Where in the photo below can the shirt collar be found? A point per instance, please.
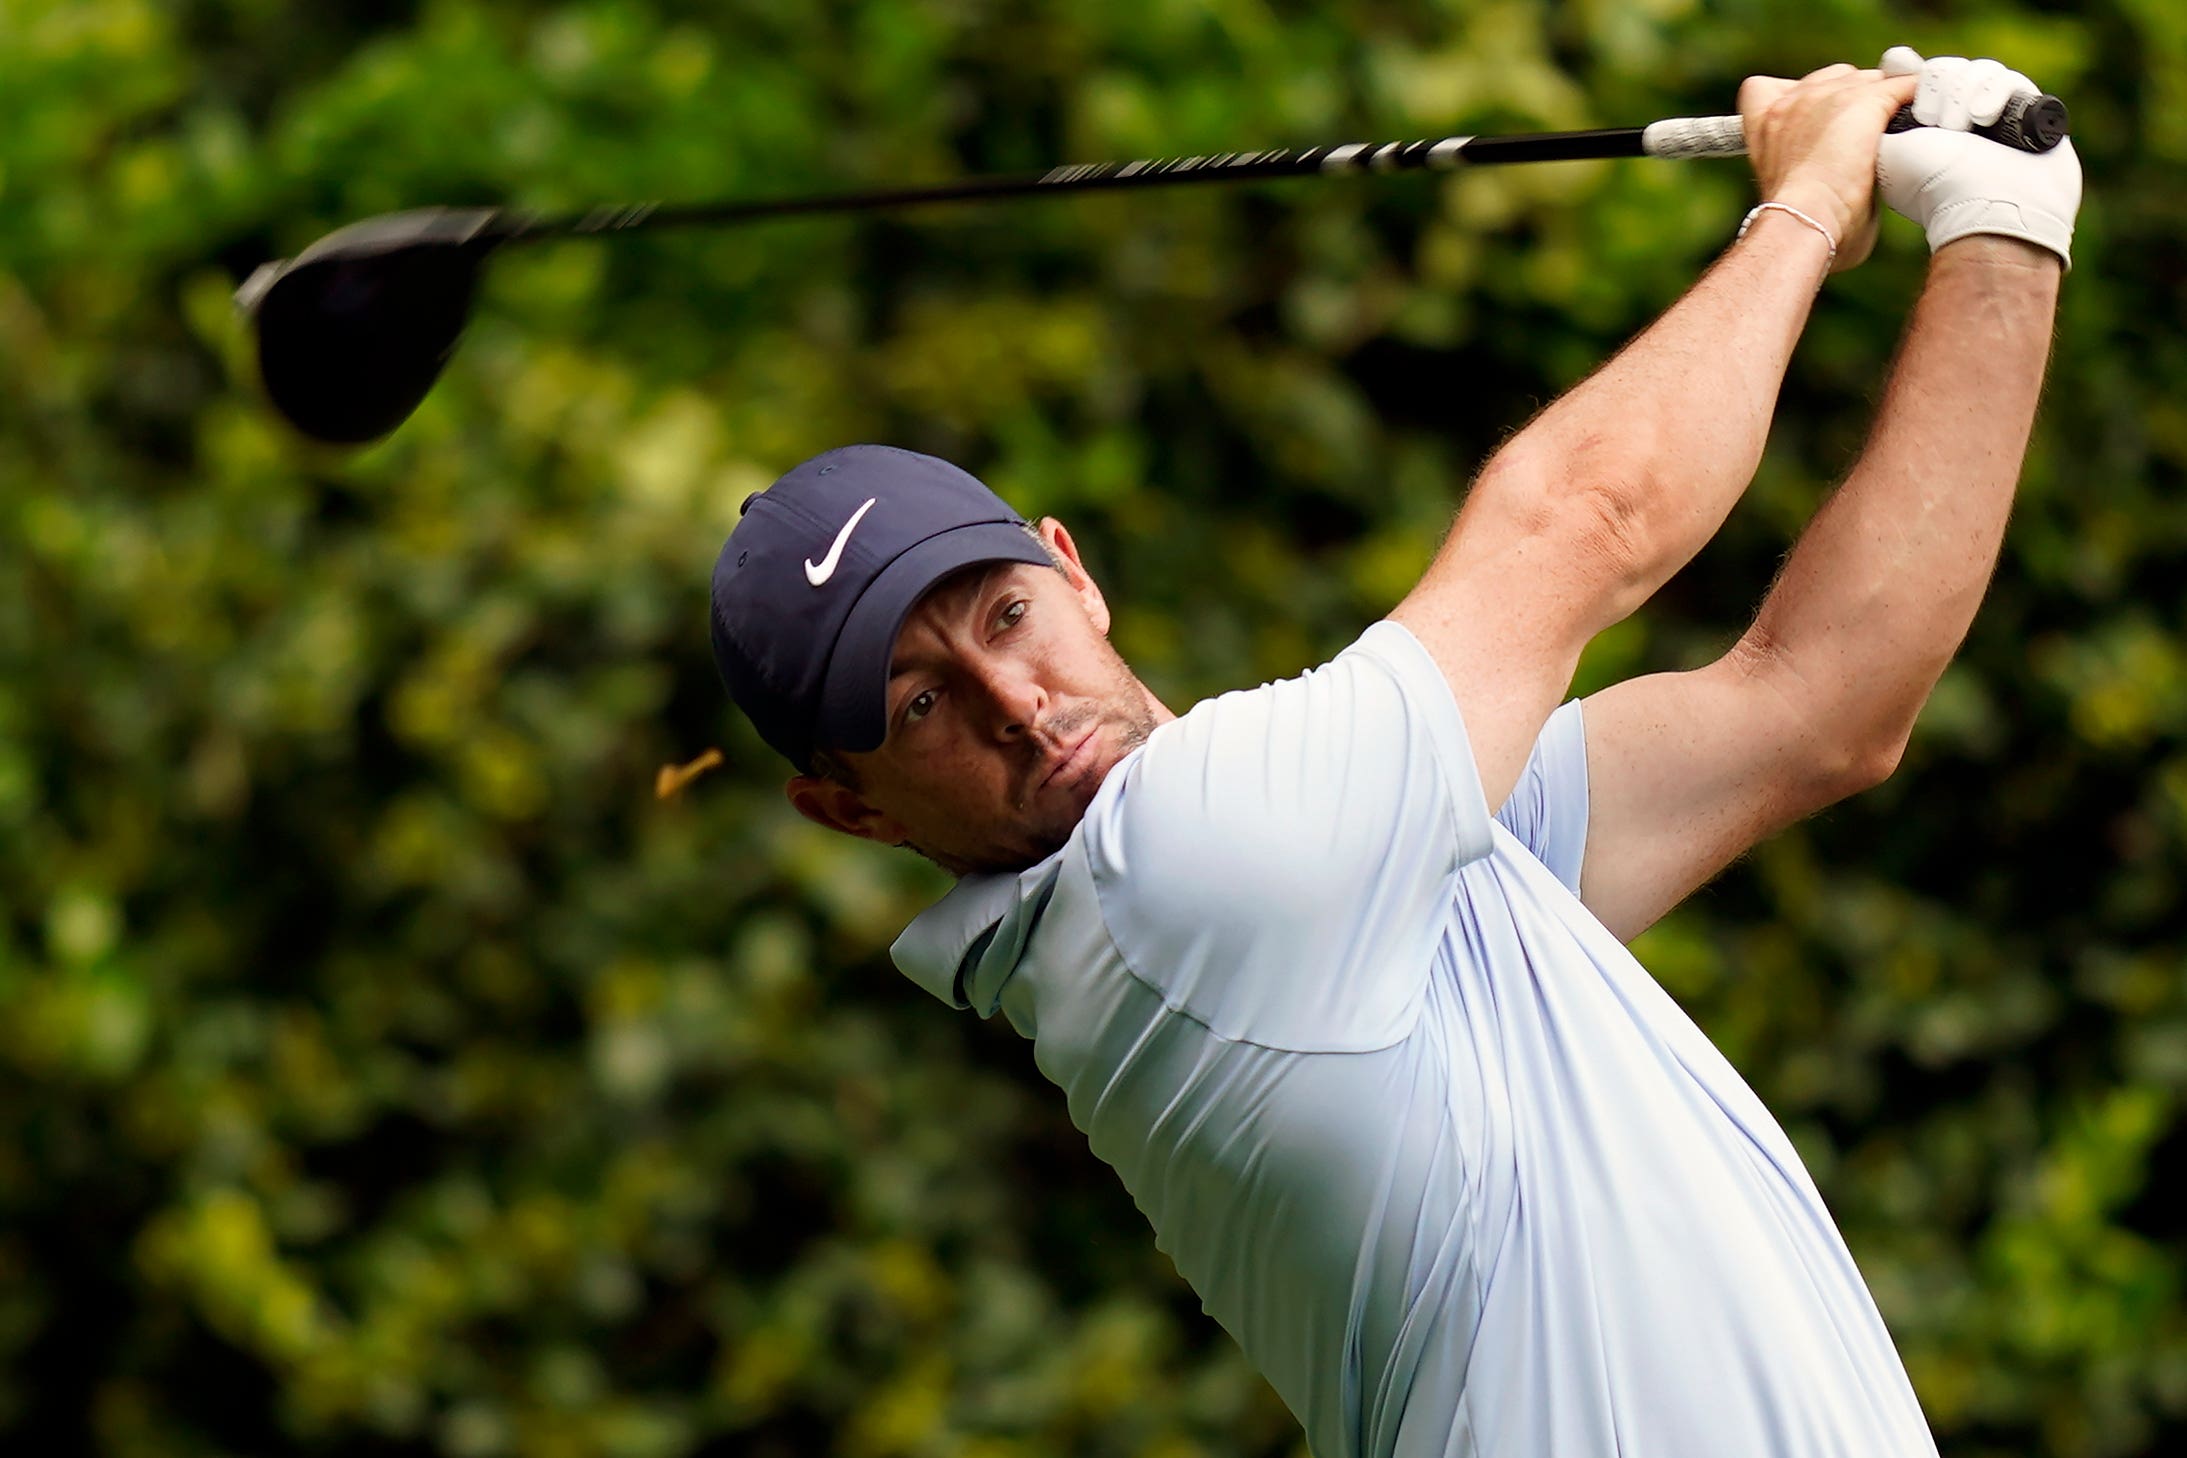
(980, 928)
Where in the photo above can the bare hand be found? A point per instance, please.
(1813, 142)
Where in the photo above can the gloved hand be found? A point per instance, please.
(1956, 184)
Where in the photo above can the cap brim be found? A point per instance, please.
(854, 700)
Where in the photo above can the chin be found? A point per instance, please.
(1056, 810)
(1029, 844)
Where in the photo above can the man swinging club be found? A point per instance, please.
(1374, 1060)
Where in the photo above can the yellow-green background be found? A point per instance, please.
(383, 1071)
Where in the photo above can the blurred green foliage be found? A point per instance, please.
(384, 1071)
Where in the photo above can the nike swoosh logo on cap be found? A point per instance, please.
(818, 573)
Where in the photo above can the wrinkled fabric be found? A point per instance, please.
(1452, 1169)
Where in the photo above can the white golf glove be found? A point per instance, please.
(1956, 184)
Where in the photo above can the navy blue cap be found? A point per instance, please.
(816, 580)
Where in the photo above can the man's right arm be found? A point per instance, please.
(1592, 507)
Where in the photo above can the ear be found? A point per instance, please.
(840, 808)
(1058, 538)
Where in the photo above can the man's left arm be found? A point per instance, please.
(1686, 771)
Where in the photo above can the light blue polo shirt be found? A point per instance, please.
(1454, 1171)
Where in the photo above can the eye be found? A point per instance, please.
(1012, 613)
(919, 705)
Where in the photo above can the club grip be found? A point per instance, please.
(2029, 123)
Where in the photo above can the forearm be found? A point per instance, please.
(1882, 586)
(1665, 437)
(1591, 507)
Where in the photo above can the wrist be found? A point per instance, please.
(1995, 250)
(1819, 202)
(1799, 221)
(2000, 266)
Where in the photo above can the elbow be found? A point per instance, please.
(1876, 718)
(1618, 485)
(1605, 529)
(1842, 736)
(1867, 762)
(1838, 767)
(1593, 524)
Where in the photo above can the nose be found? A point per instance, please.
(1015, 700)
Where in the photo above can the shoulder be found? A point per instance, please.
(1293, 845)
(1275, 788)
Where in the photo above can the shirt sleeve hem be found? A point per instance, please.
(1420, 679)
(1568, 812)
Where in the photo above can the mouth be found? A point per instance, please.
(1071, 763)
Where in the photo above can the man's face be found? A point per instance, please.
(1007, 708)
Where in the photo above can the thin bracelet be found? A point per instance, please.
(1761, 208)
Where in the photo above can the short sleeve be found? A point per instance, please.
(1547, 810)
(1280, 863)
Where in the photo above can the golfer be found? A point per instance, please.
(1332, 972)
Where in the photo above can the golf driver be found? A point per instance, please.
(354, 330)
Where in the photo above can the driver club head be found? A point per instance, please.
(354, 330)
